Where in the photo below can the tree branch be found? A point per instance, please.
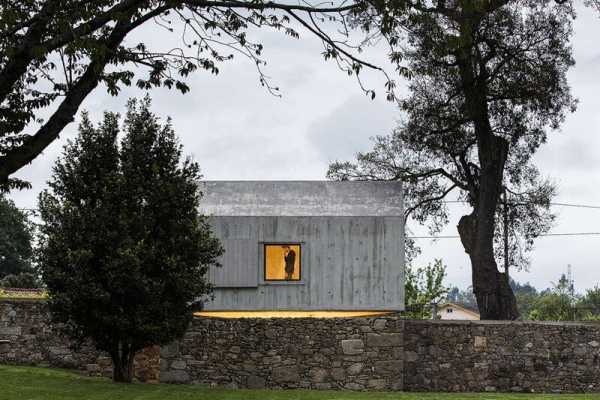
(34, 145)
(427, 201)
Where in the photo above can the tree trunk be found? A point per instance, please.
(494, 295)
(495, 298)
(122, 361)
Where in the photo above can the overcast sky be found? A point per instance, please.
(236, 130)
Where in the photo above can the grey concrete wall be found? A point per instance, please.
(302, 198)
(348, 263)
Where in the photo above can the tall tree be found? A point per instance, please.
(124, 251)
(54, 53)
(15, 240)
(490, 81)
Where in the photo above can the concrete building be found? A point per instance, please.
(307, 245)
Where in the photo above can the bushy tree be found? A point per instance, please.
(489, 83)
(124, 251)
(24, 280)
(553, 307)
(422, 287)
(15, 240)
(558, 303)
(590, 302)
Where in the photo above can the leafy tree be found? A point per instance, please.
(525, 288)
(490, 81)
(559, 303)
(590, 302)
(124, 252)
(553, 307)
(564, 287)
(15, 239)
(526, 296)
(54, 53)
(24, 280)
(423, 286)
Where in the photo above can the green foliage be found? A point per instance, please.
(24, 280)
(15, 240)
(525, 303)
(560, 303)
(553, 307)
(590, 302)
(526, 296)
(423, 286)
(123, 250)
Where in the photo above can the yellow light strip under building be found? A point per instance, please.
(289, 314)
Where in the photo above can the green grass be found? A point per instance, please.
(29, 383)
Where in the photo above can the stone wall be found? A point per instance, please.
(388, 354)
(385, 353)
(27, 337)
(501, 356)
(353, 354)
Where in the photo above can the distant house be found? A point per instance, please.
(306, 245)
(454, 311)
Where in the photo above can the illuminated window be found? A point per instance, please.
(282, 262)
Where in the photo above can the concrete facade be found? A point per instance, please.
(351, 236)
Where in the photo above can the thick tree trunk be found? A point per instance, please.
(122, 361)
(494, 295)
(495, 298)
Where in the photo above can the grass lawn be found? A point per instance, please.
(28, 383)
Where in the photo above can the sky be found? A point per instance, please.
(237, 130)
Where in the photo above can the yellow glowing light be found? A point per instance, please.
(275, 262)
(289, 314)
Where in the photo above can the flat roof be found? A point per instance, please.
(302, 198)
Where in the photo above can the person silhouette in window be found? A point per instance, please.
(290, 260)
